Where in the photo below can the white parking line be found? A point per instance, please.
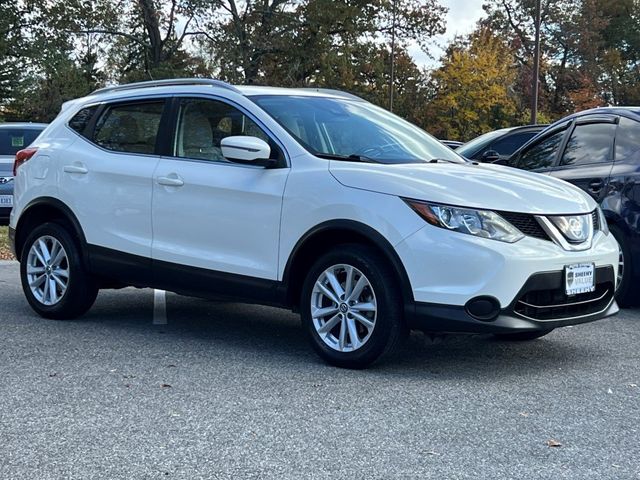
(159, 307)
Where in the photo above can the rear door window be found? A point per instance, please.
(627, 138)
(131, 128)
(542, 155)
(589, 143)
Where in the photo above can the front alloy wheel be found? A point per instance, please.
(351, 306)
(343, 308)
(625, 292)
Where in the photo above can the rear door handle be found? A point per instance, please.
(171, 180)
(75, 169)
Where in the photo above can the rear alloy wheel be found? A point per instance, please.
(351, 307)
(47, 270)
(53, 276)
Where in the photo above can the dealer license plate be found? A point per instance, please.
(6, 200)
(579, 278)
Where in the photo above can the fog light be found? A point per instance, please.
(485, 309)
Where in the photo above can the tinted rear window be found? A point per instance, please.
(627, 138)
(130, 128)
(81, 120)
(14, 139)
(589, 143)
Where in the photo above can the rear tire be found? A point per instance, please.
(523, 336)
(54, 278)
(351, 307)
(624, 290)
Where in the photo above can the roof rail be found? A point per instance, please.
(337, 93)
(166, 83)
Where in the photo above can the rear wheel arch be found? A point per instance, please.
(329, 235)
(48, 209)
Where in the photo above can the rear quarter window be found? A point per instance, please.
(80, 121)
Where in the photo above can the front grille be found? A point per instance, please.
(530, 227)
(543, 297)
(526, 223)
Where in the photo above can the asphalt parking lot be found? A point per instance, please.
(233, 391)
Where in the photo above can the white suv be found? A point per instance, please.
(313, 200)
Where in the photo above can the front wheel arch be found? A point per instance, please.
(328, 235)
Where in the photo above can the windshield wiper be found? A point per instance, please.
(346, 158)
(446, 160)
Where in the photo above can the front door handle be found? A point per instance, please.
(75, 169)
(171, 180)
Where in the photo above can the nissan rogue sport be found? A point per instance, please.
(308, 199)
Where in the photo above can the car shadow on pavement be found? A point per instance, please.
(259, 335)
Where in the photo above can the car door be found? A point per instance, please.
(541, 154)
(212, 214)
(587, 155)
(106, 177)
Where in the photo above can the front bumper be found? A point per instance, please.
(540, 304)
(451, 268)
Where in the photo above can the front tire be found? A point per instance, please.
(54, 278)
(624, 290)
(351, 307)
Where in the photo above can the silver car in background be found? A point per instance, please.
(13, 137)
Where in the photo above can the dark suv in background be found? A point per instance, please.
(599, 151)
(499, 144)
(13, 137)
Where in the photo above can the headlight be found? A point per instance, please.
(480, 223)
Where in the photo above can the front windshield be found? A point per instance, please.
(351, 128)
(472, 147)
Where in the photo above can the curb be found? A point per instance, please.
(8, 262)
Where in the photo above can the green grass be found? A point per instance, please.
(5, 249)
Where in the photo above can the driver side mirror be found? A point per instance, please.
(490, 156)
(240, 148)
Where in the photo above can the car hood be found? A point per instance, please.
(483, 186)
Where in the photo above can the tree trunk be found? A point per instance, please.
(151, 19)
